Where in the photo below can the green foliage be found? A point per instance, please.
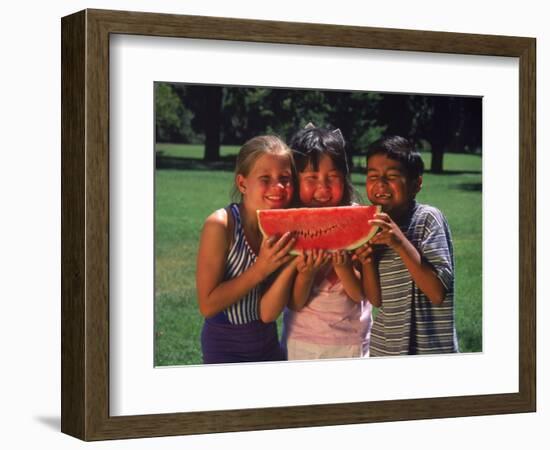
(172, 119)
(442, 124)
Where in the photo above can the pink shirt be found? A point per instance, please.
(330, 317)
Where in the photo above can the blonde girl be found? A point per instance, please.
(243, 281)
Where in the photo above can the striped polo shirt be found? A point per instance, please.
(240, 258)
(407, 322)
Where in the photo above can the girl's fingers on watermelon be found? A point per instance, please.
(269, 241)
(320, 258)
(286, 259)
(308, 265)
(287, 247)
(340, 258)
(346, 257)
(359, 252)
(315, 259)
(364, 253)
(301, 263)
(283, 245)
(284, 239)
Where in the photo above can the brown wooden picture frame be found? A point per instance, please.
(85, 224)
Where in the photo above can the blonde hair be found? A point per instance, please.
(252, 150)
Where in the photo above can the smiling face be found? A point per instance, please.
(389, 186)
(322, 187)
(269, 183)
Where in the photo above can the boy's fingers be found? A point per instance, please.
(382, 239)
(383, 216)
(378, 238)
(380, 223)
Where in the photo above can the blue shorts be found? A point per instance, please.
(228, 343)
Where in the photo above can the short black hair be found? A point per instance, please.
(399, 149)
(311, 143)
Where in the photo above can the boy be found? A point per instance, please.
(412, 255)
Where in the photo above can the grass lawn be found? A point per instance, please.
(184, 198)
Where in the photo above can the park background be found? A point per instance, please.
(31, 231)
(199, 130)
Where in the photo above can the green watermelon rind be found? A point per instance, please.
(350, 247)
(369, 236)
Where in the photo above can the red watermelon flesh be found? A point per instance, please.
(337, 228)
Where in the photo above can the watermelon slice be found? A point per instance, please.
(332, 229)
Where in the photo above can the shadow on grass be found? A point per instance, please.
(457, 172)
(225, 163)
(472, 187)
(362, 170)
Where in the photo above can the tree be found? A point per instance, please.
(218, 115)
(172, 119)
(454, 124)
(446, 123)
(212, 113)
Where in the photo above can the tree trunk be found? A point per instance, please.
(441, 135)
(212, 128)
(394, 111)
(437, 158)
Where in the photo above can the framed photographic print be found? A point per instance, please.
(186, 165)
(140, 173)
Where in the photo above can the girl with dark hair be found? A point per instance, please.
(327, 316)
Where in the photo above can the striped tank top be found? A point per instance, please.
(240, 258)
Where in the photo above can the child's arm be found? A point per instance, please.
(421, 271)
(214, 294)
(277, 295)
(370, 276)
(307, 265)
(344, 269)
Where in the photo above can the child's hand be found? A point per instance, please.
(340, 259)
(274, 253)
(309, 262)
(390, 233)
(364, 254)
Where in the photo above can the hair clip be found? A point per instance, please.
(338, 133)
